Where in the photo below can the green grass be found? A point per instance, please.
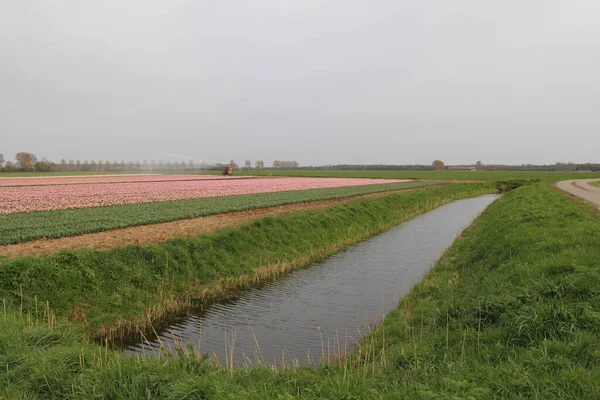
(595, 183)
(437, 175)
(21, 227)
(430, 175)
(509, 312)
(122, 284)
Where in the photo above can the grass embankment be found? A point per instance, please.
(438, 175)
(21, 227)
(510, 311)
(595, 183)
(123, 290)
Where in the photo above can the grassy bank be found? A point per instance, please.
(595, 183)
(21, 227)
(123, 290)
(510, 311)
(436, 175)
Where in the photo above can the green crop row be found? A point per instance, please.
(21, 227)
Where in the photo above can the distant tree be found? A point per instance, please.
(43, 166)
(71, 165)
(438, 165)
(479, 165)
(285, 164)
(248, 164)
(10, 167)
(107, 165)
(77, 165)
(93, 166)
(153, 164)
(562, 166)
(259, 164)
(1, 160)
(233, 164)
(25, 161)
(191, 165)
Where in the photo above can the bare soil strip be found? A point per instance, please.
(581, 188)
(157, 233)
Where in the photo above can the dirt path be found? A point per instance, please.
(156, 233)
(582, 188)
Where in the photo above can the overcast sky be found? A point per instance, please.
(398, 82)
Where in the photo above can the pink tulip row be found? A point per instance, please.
(72, 180)
(59, 197)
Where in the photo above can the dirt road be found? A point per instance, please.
(582, 188)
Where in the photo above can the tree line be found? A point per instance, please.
(28, 162)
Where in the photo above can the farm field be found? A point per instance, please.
(20, 227)
(431, 175)
(550, 176)
(84, 195)
(508, 312)
(183, 267)
(95, 179)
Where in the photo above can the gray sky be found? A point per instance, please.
(399, 82)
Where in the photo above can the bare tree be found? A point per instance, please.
(438, 165)
(25, 160)
(1, 160)
(479, 166)
(248, 164)
(259, 164)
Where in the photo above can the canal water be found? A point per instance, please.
(322, 310)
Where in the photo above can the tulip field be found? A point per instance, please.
(92, 179)
(54, 210)
(54, 196)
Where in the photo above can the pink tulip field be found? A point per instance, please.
(68, 193)
(74, 180)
